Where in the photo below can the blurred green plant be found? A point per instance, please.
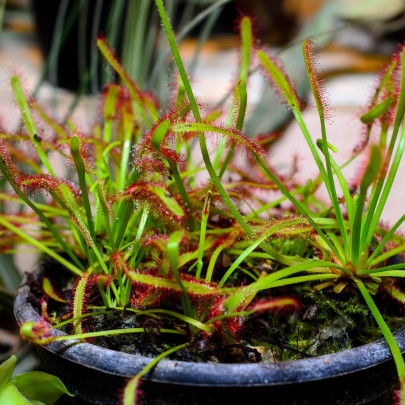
(31, 388)
(132, 28)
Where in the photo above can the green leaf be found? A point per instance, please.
(373, 167)
(372, 170)
(29, 121)
(81, 173)
(192, 287)
(159, 134)
(320, 143)
(396, 353)
(232, 134)
(246, 48)
(6, 371)
(134, 90)
(173, 253)
(39, 386)
(280, 80)
(11, 396)
(297, 226)
(168, 200)
(377, 111)
(49, 291)
(132, 386)
(109, 110)
(78, 302)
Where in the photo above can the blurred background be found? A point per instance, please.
(51, 45)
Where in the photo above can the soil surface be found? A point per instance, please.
(325, 322)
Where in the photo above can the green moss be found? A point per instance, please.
(326, 323)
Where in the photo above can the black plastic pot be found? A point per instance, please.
(97, 375)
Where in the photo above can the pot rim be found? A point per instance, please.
(211, 374)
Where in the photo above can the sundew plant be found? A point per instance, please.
(190, 243)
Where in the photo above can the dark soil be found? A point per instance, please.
(325, 322)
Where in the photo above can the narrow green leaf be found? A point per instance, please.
(374, 211)
(173, 253)
(370, 260)
(377, 111)
(280, 79)
(81, 172)
(131, 387)
(127, 124)
(132, 87)
(233, 135)
(29, 121)
(282, 278)
(373, 168)
(320, 143)
(49, 291)
(81, 336)
(106, 212)
(396, 353)
(159, 134)
(196, 288)
(197, 116)
(10, 178)
(109, 110)
(203, 228)
(78, 302)
(238, 107)
(316, 82)
(246, 35)
(6, 371)
(167, 200)
(79, 220)
(274, 228)
(239, 104)
(41, 247)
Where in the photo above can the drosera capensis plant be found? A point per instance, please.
(179, 243)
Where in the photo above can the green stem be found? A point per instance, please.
(103, 333)
(240, 90)
(241, 94)
(387, 188)
(372, 218)
(131, 387)
(332, 188)
(123, 222)
(41, 247)
(203, 145)
(183, 193)
(396, 353)
(385, 240)
(10, 178)
(211, 265)
(81, 173)
(126, 149)
(173, 253)
(29, 122)
(301, 207)
(204, 220)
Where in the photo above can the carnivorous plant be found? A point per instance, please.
(163, 224)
